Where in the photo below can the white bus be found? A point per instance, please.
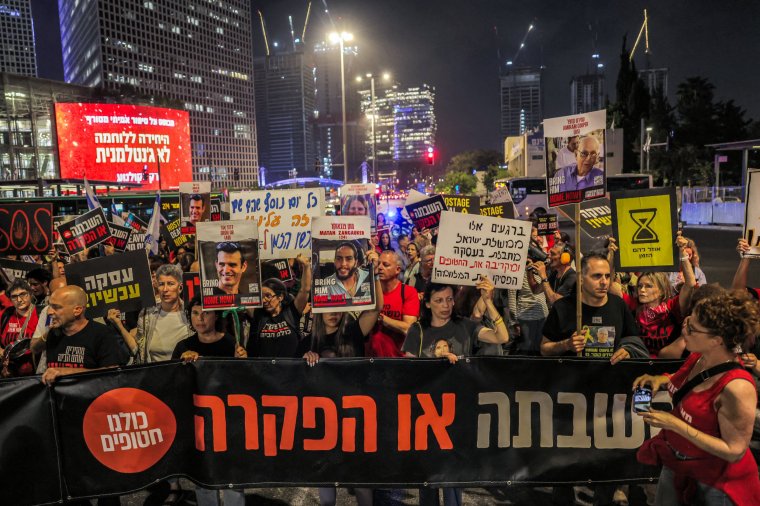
(529, 193)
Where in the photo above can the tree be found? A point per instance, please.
(478, 159)
(490, 177)
(696, 112)
(465, 182)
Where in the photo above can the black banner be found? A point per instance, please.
(279, 269)
(546, 224)
(117, 281)
(390, 422)
(172, 232)
(462, 203)
(85, 231)
(15, 269)
(504, 210)
(119, 236)
(26, 228)
(427, 213)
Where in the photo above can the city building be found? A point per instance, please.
(198, 55)
(284, 85)
(587, 93)
(17, 53)
(521, 100)
(655, 79)
(328, 113)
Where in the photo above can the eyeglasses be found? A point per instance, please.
(19, 296)
(266, 297)
(586, 154)
(691, 330)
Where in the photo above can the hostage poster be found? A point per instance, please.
(575, 157)
(358, 200)
(229, 264)
(343, 279)
(194, 204)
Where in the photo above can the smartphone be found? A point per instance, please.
(642, 399)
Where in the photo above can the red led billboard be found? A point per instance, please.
(124, 144)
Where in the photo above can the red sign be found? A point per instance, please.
(124, 144)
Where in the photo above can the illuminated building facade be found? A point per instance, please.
(586, 93)
(192, 54)
(17, 54)
(521, 100)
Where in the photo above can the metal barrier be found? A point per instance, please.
(705, 205)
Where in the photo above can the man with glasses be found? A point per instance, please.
(582, 174)
(16, 323)
(230, 265)
(422, 278)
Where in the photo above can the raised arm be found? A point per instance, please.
(368, 318)
(303, 292)
(742, 271)
(689, 281)
(500, 334)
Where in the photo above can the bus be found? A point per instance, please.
(529, 193)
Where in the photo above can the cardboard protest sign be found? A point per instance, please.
(85, 231)
(117, 281)
(426, 213)
(358, 200)
(191, 281)
(498, 210)
(752, 214)
(413, 197)
(194, 204)
(470, 246)
(119, 236)
(229, 263)
(645, 224)
(502, 196)
(172, 232)
(15, 269)
(575, 168)
(134, 221)
(343, 280)
(26, 228)
(546, 224)
(462, 203)
(282, 216)
(278, 269)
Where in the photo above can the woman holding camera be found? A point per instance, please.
(703, 445)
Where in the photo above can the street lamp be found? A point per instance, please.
(340, 38)
(373, 105)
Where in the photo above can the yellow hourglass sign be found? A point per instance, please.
(643, 218)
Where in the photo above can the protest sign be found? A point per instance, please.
(282, 216)
(470, 246)
(229, 263)
(599, 341)
(462, 203)
(191, 281)
(119, 236)
(194, 204)
(26, 228)
(413, 197)
(278, 269)
(752, 214)
(644, 224)
(546, 224)
(504, 210)
(216, 209)
(134, 221)
(15, 269)
(136, 241)
(575, 162)
(342, 279)
(119, 281)
(85, 231)
(59, 220)
(172, 232)
(426, 213)
(358, 200)
(502, 196)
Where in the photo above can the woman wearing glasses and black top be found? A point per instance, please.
(274, 329)
(703, 445)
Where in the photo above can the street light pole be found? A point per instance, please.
(343, 110)
(374, 115)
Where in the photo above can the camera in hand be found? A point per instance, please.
(642, 399)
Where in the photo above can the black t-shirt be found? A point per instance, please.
(603, 326)
(94, 346)
(276, 338)
(460, 335)
(563, 285)
(352, 335)
(224, 347)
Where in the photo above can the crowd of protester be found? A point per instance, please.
(654, 315)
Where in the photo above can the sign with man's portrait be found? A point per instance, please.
(194, 204)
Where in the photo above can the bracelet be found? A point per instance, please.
(544, 280)
(684, 259)
(498, 320)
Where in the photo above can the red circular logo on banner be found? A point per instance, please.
(128, 430)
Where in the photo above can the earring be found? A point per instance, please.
(738, 349)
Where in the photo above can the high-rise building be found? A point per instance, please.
(328, 113)
(587, 93)
(521, 100)
(284, 85)
(197, 55)
(17, 54)
(655, 79)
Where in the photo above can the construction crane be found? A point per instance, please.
(306, 23)
(645, 30)
(264, 31)
(522, 44)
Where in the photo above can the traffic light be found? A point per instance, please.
(378, 192)
(145, 174)
(430, 156)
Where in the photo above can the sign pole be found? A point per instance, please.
(578, 276)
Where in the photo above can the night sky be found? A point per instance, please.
(453, 46)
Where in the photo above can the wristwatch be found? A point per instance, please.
(544, 280)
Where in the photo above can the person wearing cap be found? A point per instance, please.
(230, 265)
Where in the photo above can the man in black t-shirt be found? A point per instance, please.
(75, 344)
(562, 276)
(609, 330)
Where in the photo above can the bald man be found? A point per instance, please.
(74, 344)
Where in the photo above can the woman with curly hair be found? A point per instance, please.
(704, 441)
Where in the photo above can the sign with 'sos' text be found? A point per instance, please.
(26, 228)
(470, 246)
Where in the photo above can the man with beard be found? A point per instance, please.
(349, 280)
(582, 174)
(230, 266)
